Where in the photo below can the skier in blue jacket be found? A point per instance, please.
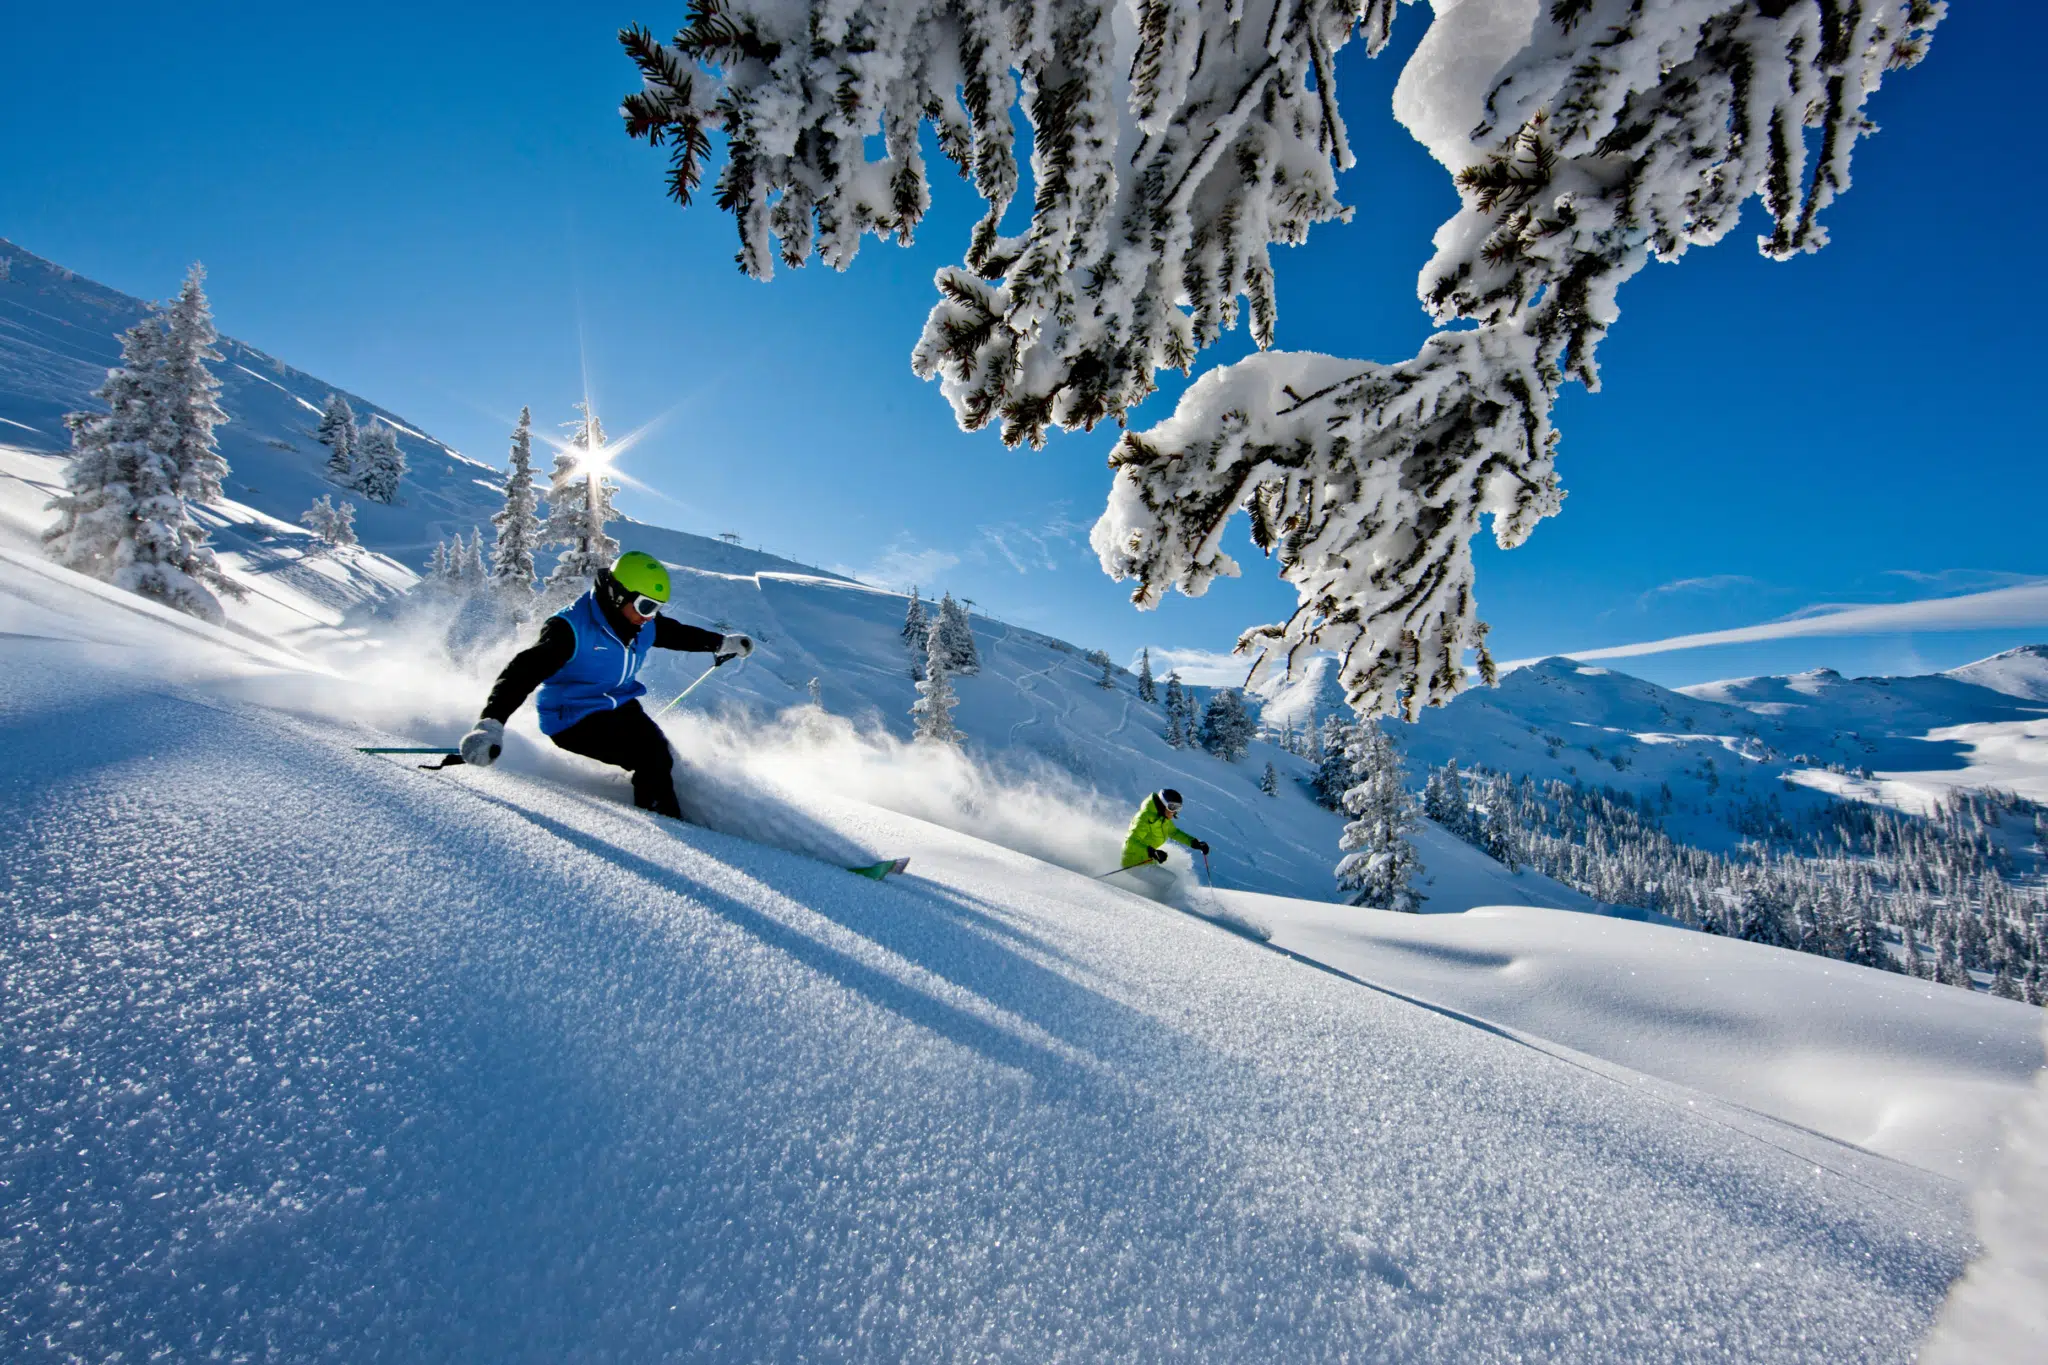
(586, 664)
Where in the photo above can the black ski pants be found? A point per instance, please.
(627, 737)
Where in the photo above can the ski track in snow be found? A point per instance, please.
(1017, 681)
(309, 1055)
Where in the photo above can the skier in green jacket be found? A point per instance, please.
(1153, 826)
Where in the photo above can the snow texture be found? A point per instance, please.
(1998, 1311)
(1907, 1070)
(310, 1055)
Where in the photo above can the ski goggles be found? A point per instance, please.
(1172, 807)
(643, 605)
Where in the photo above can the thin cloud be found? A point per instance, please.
(901, 568)
(1963, 580)
(2021, 605)
(1025, 548)
(1201, 667)
(1708, 583)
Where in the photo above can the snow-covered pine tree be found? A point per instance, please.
(1766, 918)
(1497, 834)
(1147, 689)
(344, 534)
(122, 518)
(1227, 728)
(1101, 660)
(1334, 774)
(1176, 704)
(194, 392)
(1174, 142)
(1269, 781)
(1863, 945)
(1948, 967)
(933, 708)
(961, 655)
(322, 520)
(579, 509)
(1444, 799)
(380, 463)
(817, 693)
(916, 633)
(338, 433)
(1190, 714)
(437, 565)
(1380, 864)
(473, 570)
(516, 526)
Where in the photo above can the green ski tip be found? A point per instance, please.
(884, 868)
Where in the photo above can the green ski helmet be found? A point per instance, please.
(641, 574)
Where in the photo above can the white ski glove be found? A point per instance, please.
(481, 746)
(741, 645)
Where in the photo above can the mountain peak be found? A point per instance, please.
(2018, 672)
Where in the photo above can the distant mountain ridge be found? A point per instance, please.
(1788, 743)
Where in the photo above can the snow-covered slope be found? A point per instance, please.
(310, 1055)
(1907, 1068)
(2021, 672)
(59, 332)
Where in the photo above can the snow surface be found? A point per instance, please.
(2021, 672)
(1921, 1073)
(1999, 1310)
(309, 1054)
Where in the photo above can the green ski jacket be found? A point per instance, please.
(1150, 829)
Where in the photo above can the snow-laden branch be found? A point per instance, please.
(1175, 141)
(1366, 482)
(1617, 131)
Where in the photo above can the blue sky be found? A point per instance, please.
(434, 206)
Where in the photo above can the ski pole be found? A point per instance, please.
(717, 662)
(449, 757)
(1113, 871)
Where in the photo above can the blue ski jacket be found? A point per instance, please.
(587, 660)
(603, 673)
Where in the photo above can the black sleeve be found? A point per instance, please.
(531, 667)
(673, 634)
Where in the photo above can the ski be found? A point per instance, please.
(882, 871)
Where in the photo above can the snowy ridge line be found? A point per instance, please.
(1698, 1104)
